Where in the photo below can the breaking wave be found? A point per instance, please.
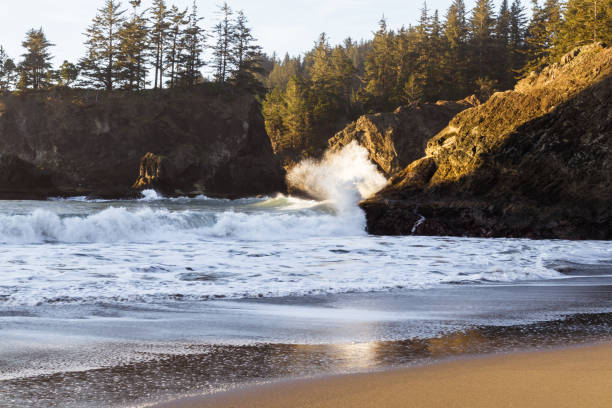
(344, 177)
(340, 180)
(157, 225)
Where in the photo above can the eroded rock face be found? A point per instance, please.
(20, 179)
(396, 139)
(532, 162)
(92, 143)
(155, 172)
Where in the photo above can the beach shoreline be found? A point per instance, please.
(576, 376)
(126, 371)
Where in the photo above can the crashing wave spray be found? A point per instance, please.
(341, 179)
(344, 177)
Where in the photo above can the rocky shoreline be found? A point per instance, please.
(70, 142)
(532, 162)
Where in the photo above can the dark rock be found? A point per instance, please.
(22, 180)
(92, 142)
(533, 162)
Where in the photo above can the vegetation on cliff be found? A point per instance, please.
(441, 58)
(535, 161)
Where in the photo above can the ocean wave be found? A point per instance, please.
(344, 177)
(119, 224)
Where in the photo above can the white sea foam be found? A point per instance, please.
(150, 195)
(156, 248)
(344, 177)
(159, 271)
(156, 225)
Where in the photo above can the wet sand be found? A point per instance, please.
(128, 372)
(576, 377)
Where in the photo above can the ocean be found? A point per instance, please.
(126, 303)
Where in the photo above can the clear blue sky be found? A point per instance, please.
(280, 25)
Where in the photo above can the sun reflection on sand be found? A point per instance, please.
(357, 355)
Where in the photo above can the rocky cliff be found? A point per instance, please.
(532, 162)
(20, 179)
(396, 139)
(90, 142)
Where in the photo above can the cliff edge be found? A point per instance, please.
(532, 162)
(93, 143)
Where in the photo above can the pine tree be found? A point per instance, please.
(502, 25)
(379, 70)
(436, 51)
(159, 31)
(320, 69)
(454, 63)
(68, 74)
(342, 79)
(8, 71)
(552, 9)
(11, 73)
(100, 65)
(35, 67)
(222, 50)
(331, 74)
(585, 21)
(357, 54)
(174, 47)
(320, 78)
(132, 59)
(247, 57)
(193, 41)
(273, 111)
(503, 28)
(456, 29)
(404, 57)
(517, 36)
(296, 114)
(542, 35)
(422, 70)
(482, 42)
(414, 89)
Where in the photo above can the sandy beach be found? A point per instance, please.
(576, 377)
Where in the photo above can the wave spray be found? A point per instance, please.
(342, 177)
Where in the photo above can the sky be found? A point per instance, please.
(280, 26)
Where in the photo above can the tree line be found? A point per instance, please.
(442, 57)
(162, 46)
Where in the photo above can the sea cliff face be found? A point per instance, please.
(92, 143)
(396, 139)
(532, 162)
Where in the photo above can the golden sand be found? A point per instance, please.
(572, 378)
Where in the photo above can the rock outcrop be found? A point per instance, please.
(20, 179)
(532, 162)
(92, 143)
(396, 139)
